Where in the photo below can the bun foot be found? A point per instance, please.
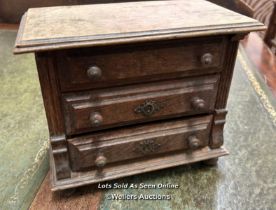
(211, 162)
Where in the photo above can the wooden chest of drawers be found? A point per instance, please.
(132, 87)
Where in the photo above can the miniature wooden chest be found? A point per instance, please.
(132, 87)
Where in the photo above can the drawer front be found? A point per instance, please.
(96, 110)
(109, 147)
(82, 69)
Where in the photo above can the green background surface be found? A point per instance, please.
(23, 127)
(243, 180)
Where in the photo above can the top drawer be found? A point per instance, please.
(89, 68)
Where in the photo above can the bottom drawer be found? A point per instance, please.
(113, 146)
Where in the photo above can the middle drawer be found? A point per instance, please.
(101, 109)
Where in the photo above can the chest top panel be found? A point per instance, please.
(62, 27)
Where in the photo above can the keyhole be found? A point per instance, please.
(149, 108)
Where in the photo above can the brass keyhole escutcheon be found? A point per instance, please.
(148, 146)
(148, 108)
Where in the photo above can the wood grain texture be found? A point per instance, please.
(265, 12)
(211, 187)
(226, 75)
(236, 5)
(151, 79)
(135, 63)
(12, 11)
(216, 139)
(136, 167)
(63, 27)
(220, 111)
(131, 143)
(262, 11)
(140, 103)
(52, 103)
(50, 92)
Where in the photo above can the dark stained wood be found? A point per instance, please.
(219, 120)
(265, 12)
(223, 91)
(261, 9)
(165, 73)
(137, 63)
(263, 59)
(210, 162)
(236, 5)
(127, 144)
(52, 103)
(244, 8)
(270, 35)
(226, 75)
(139, 103)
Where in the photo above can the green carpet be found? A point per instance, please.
(23, 128)
(243, 180)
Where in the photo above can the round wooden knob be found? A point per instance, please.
(207, 59)
(198, 103)
(100, 161)
(94, 72)
(194, 142)
(96, 118)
